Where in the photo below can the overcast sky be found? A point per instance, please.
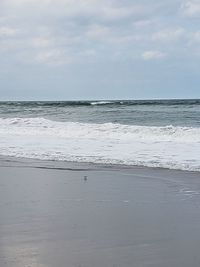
(99, 49)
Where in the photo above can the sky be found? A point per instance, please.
(99, 49)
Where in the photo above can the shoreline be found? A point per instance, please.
(70, 165)
(51, 215)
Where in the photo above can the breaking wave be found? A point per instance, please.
(168, 147)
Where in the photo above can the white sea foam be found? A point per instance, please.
(169, 147)
(101, 102)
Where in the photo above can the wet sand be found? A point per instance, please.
(116, 217)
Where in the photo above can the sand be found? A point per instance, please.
(117, 216)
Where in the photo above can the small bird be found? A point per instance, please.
(85, 178)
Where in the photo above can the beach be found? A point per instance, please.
(99, 133)
(91, 215)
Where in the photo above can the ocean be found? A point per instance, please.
(153, 133)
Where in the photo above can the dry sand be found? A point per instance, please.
(117, 217)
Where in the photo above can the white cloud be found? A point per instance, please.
(125, 39)
(7, 31)
(153, 54)
(196, 36)
(112, 12)
(112, 36)
(194, 40)
(168, 35)
(42, 42)
(51, 57)
(142, 23)
(191, 9)
(98, 31)
(90, 53)
(108, 10)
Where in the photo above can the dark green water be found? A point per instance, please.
(140, 112)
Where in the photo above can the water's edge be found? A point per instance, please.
(21, 162)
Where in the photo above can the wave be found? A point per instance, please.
(65, 129)
(169, 146)
(102, 103)
(173, 102)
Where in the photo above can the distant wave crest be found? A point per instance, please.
(101, 103)
(175, 102)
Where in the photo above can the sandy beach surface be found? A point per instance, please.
(50, 215)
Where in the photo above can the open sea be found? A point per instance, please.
(154, 133)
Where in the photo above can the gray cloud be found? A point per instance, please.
(63, 31)
(77, 34)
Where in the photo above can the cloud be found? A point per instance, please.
(51, 57)
(168, 35)
(6, 31)
(109, 35)
(66, 31)
(113, 13)
(191, 9)
(196, 36)
(106, 10)
(97, 41)
(41, 42)
(143, 23)
(98, 31)
(153, 54)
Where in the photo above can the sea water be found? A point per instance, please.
(154, 133)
